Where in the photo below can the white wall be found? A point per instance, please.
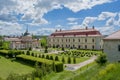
(111, 50)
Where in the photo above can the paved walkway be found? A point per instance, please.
(74, 67)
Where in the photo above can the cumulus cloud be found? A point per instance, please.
(9, 28)
(105, 15)
(72, 19)
(88, 20)
(109, 18)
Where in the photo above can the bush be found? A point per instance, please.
(51, 57)
(47, 56)
(69, 60)
(32, 60)
(101, 60)
(28, 53)
(56, 58)
(63, 59)
(74, 60)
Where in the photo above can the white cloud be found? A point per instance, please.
(8, 28)
(105, 15)
(108, 18)
(35, 9)
(78, 5)
(72, 19)
(88, 20)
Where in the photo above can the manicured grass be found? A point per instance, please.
(8, 66)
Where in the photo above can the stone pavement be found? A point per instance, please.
(74, 67)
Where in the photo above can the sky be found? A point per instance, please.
(42, 17)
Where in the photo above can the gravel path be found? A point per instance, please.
(74, 67)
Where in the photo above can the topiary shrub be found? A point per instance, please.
(56, 58)
(101, 60)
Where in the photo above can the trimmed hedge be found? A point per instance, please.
(32, 60)
(10, 53)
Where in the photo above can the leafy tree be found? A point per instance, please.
(43, 41)
(63, 59)
(101, 60)
(56, 58)
(69, 59)
(53, 66)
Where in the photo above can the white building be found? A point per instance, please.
(112, 46)
(24, 42)
(88, 38)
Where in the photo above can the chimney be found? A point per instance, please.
(60, 29)
(86, 27)
(93, 27)
(56, 30)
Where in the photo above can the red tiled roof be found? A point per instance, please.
(113, 36)
(77, 32)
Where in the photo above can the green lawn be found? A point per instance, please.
(7, 67)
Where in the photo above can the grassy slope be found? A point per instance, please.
(7, 67)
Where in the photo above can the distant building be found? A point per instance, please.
(88, 38)
(112, 46)
(24, 42)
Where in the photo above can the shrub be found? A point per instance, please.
(101, 60)
(47, 56)
(74, 60)
(56, 58)
(63, 59)
(51, 57)
(28, 53)
(46, 49)
(69, 59)
(32, 60)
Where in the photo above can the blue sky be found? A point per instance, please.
(43, 17)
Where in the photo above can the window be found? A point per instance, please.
(85, 46)
(62, 40)
(73, 40)
(79, 47)
(66, 40)
(85, 40)
(118, 47)
(69, 40)
(92, 40)
(93, 47)
(79, 40)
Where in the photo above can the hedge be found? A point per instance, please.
(10, 53)
(32, 60)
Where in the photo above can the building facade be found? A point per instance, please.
(112, 47)
(88, 38)
(24, 42)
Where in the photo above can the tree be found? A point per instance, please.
(74, 60)
(63, 59)
(69, 59)
(56, 58)
(63, 49)
(46, 49)
(101, 60)
(43, 41)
